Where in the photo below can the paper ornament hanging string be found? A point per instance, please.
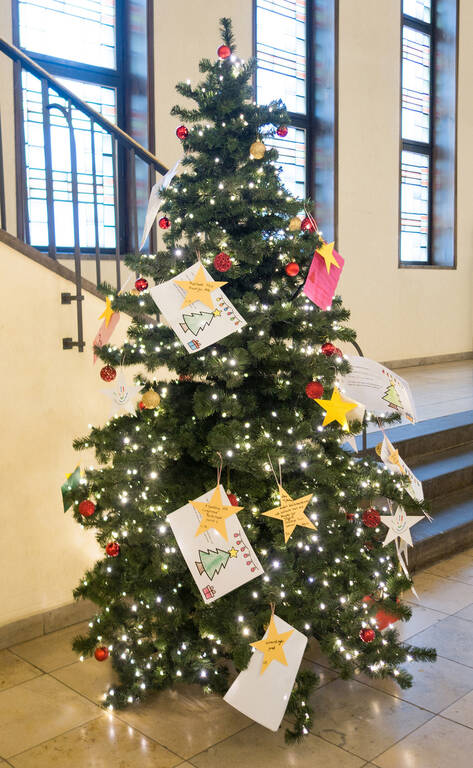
(214, 513)
(290, 511)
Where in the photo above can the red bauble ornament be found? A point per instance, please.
(282, 131)
(164, 222)
(223, 52)
(338, 352)
(182, 132)
(87, 508)
(350, 516)
(232, 499)
(314, 389)
(367, 635)
(141, 405)
(328, 349)
(108, 373)
(371, 517)
(141, 284)
(101, 653)
(222, 262)
(307, 225)
(292, 269)
(112, 549)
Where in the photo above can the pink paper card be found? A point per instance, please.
(105, 331)
(321, 285)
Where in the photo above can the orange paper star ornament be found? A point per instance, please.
(272, 646)
(336, 408)
(199, 289)
(214, 513)
(291, 512)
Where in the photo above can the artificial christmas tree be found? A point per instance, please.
(242, 401)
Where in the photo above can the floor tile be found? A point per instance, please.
(466, 613)
(313, 652)
(461, 711)
(360, 719)
(459, 568)
(452, 637)
(421, 619)
(185, 720)
(14, 670)
(259, 748)
(39, 710)
(54, 650)
(91, 678)
(102, 743)
(324, 674)
(440, 594)
(437, 744)
(435, 686)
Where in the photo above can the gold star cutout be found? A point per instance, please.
(216, 313)
(233, 552)
(291, 512)
(199, 289)
(214, 513)
(108, 312)
(326, 251)
(336, 408)
(272, 646)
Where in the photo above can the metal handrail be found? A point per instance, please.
(16, 54)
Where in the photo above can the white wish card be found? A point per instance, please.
(154, 202)
(218, 565)
(264, 695)
(196, 308)
(377, 388)
(390, 456)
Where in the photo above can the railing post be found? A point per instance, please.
(116, 206)
(3, 215)
(96, 214)
(48, 166)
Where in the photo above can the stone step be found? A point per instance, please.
(444, 472)
(450, 531)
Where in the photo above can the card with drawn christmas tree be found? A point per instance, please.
(214, 544)
(378, 388)
(196, 308)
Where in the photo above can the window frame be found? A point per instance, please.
(111, 78)
(428, 149)
(311, 122)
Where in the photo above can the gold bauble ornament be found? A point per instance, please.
(295, 224)
(257, 150)
(151, 399)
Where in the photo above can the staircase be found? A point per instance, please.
(440, 453)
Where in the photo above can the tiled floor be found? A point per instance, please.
(49, 713)
(441, 389)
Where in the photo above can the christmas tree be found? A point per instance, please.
(212, 562)
(392, 397)
(196, 321)
(243, 399)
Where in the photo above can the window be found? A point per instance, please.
(427, 179)
(295, 50)
(76, 43)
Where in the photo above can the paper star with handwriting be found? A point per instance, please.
(108, 312)
(336, 408)
(272, 646)
(199, 289)
(326, 251)
(400, 525)
(214, 513)
(291, 512)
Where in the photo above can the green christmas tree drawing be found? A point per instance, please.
(211, 562)
(196, 321)
(392, 396)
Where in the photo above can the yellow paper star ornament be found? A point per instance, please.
(214, 513)
(336, 408)
(326, 251)
(272, 646)
(291, 512)
(199, 289)
(108, 312)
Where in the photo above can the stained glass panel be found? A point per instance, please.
(419, 9)
(281, 52)
(415, 85)
(76, 30)
(414, 206)
(291, 160)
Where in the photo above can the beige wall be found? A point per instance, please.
(49, 396)
(7, 117)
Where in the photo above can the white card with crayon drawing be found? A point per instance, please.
(217, 565)
(378, 388)
(196, 308)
